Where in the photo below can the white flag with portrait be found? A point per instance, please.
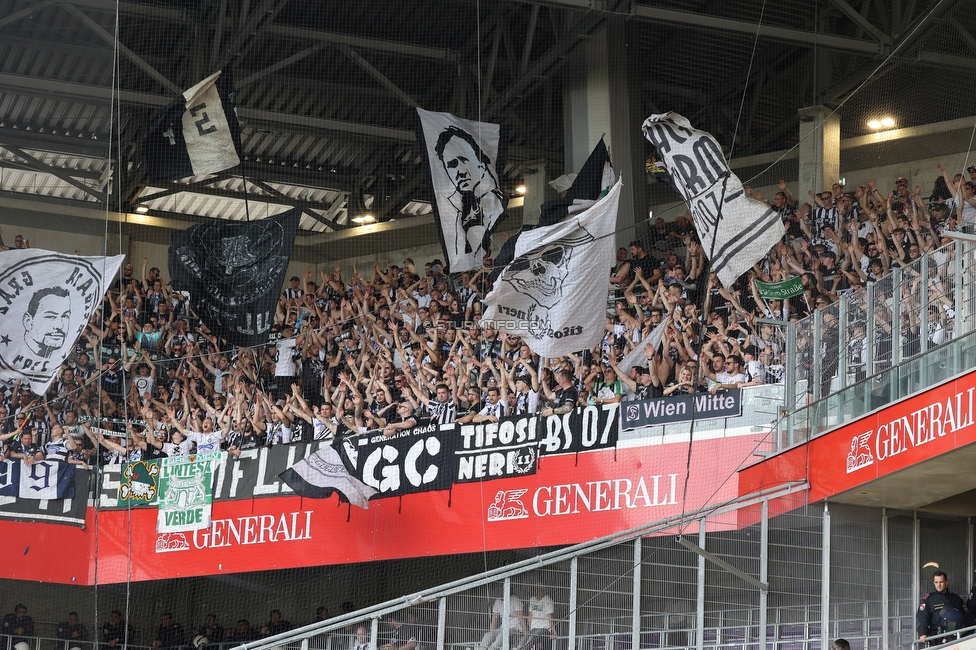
(468, 201)
(554, 293)
(735, 231)
(46, 300)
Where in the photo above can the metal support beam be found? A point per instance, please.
(779, 33)
(530, 38)
(284, 63)
(54, 88)
(863, 22)
(129, 54)
(300, 204)
(376, 74)
(714, 559)
(47, 169)
(23, 13)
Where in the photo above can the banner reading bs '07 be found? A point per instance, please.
(428, 458)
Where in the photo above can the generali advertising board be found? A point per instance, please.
(899, 436)
(570, 498)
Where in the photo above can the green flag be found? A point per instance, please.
(780, 290)
(186, 492)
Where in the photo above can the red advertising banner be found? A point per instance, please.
(572, 498)
(919, 428)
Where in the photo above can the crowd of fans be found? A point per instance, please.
(19, 628)
(397, 345)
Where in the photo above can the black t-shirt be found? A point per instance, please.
(243, 441)
(405, 634)
(566, 396)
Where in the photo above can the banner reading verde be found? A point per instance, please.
(186, 492)
(780, 290)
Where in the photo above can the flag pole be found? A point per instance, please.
(247, 208)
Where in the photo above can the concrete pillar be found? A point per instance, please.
(602, 99)
(537, 191)
(819, 152)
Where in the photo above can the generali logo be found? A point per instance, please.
(242, 531)
(576, 498)
(860, 454)
(169, 542)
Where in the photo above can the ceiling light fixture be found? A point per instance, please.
(364, 218)
(142, 209)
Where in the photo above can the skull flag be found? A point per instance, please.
(554, 293)
(234, 272)
(735, 230)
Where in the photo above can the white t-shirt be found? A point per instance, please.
(278, 433)
(284, 365)
(143, 385)
(206, 442)
(540, 612)
(514, 612)
(173, 449)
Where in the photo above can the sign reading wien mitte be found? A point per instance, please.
(682, 408)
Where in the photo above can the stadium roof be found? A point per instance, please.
(327, 90)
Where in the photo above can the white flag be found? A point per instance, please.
(554, 293)
(46, 479)
(46, 300)
(735, 230)
(468, 200)
(637, 357)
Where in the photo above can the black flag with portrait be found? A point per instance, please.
(233, 272)
(198, 133)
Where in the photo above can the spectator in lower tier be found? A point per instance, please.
(114, 632)
(18, 625)
(276, 625)
(170, 634)
(72, 631)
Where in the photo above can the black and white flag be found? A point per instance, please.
(554, 293)
(46, 300)
(637, 356)
(468, 201)
(234, 271)
(323, 473)
(593, 181)
(198, 133)
(735, 230)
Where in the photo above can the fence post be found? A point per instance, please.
(825, 580)
(573, 584)
(441, 621)
(790, 378)
(506, 607)
(700, 613)
(763, 572)
(635, 627)
(885, 604)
